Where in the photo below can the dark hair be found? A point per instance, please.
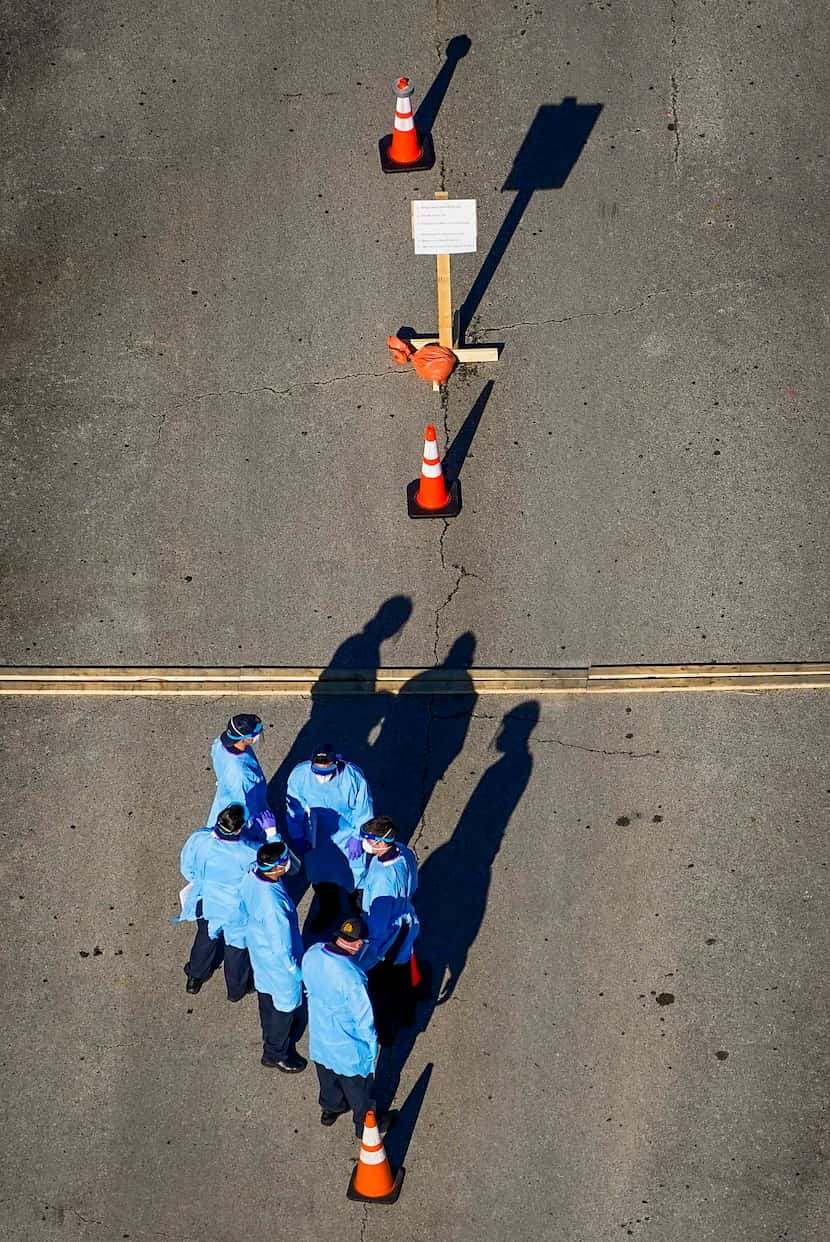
(270, 853)
(381, 826)
(232, 819)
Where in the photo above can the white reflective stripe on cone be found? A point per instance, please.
(372, 1157)
(431, 469)
(431, 450)
(371, 1136)
(404, 122)
(404, 105)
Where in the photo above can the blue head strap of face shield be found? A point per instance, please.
(373, 836)
(243, 728)
(325, 760)
(279, 862)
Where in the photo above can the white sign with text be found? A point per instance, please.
(444, 226)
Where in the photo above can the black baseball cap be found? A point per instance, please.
(323, 759)
(353, 928)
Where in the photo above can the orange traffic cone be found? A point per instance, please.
(402, 150)
(372, 1180)
(428, 496)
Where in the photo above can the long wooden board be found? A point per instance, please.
(314, 682)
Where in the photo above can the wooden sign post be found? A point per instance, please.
(444, 227)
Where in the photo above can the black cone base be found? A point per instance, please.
(451, 510)
(392, 1197)
(427, 158)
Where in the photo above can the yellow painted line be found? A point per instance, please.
(314, 682)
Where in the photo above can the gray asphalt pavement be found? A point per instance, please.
(625, 900)
(206, 452)
(208, 444)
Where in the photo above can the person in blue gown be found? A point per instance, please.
(272, 937)
(214, 861)
(327, 800)
(388, 887)
(239, 777)
(341, 1030)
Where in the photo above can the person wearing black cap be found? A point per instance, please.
(239, 778)
(273, 940)
(214, 861)
(341, 1030)
(327, 799)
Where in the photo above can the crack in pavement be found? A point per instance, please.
(608, 312)
(674, 86)
(87, 1220)
(462, 574)
(441, 544)
(477, 331)
(280, 392)
(598, 750)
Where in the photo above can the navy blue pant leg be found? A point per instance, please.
(277, 1028)
(341, 1092)
(206, 954)
(239, 976)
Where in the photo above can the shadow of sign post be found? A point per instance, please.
(544, 161)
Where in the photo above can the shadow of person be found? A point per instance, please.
(422, 734)
(454, 882)
(347, 721)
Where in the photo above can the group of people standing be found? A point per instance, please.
(356, 974)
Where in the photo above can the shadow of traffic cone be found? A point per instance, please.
(402, 150)
(372, 1180)
(428, 496)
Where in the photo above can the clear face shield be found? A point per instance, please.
(373, 844)
(282, 861)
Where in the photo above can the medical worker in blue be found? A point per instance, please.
(341, 1030)
(327, 800)
(273, 940)
(239, 778)
(388, 887)
(214, 861)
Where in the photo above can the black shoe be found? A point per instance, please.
(292, 1063)
(193, 985)
(328, 1118)
(386, 1121)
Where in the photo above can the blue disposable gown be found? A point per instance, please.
(273, 940)
(214, 869)
(387, 904)
(239, 779)
(326, 815)
(341, 1029)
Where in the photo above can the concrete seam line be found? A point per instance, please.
(265, 682)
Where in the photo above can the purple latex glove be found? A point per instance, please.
(266, 821)
(354, 848)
